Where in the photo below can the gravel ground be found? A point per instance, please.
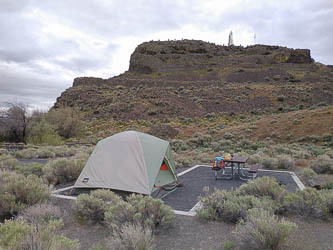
(184, 198)
(193, 233)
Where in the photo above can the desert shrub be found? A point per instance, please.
(132, 236)
(33, 168)
(327, 137)
(229, 245)
(143, 210)
(92, 207)
(3, 151)
(281, 98)
(268, 163)
(13, 234)
(263, 230)
(246, 144)
(263, 187)
(99, 246)
(301, 154)
(228, 136)
(285, 162)
(322, 164)
(328, 185)
(200, 140)
(8, 162)
(43, 132)
(178, 145)
(45, 152)
(154, 212)
(18, 192)
(203, 158)
(183, 161)
(41, 214)
(253, 159)
(222, 145)
(18, 234)
(308, 175)
(328, 194)
(229, 206)
(28, 153)
(64, 170)
(306, 203)
(62, 151)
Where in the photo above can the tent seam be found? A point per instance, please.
(144, 161)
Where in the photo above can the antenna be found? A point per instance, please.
(231, 40)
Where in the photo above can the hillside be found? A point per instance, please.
(188, 79)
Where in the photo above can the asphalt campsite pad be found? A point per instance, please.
(186, 197)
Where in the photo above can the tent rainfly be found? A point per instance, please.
(129, 161)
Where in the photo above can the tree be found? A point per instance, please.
(67, 120)
(14, 121)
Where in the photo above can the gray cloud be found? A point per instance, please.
(45, 44)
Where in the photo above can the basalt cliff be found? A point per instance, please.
(190, 78)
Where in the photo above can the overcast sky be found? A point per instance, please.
(45, 44)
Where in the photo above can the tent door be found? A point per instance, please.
(165, 176)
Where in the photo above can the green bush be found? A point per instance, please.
(33, 168)
(178, 145)
(28, 153)
(92, 207)
(263, 187)
(13, 234)
(228, 136)
(18, 234)
(200, 140)
(268, 163)
(143, 210)
(64, 170)
(45, 152)
(18, 192)
(62, 151)
(308, 175)
(132, 236)
(43, 132)
(327, 137)
(285, 162)
(322, 164)
(229, 206)
(328, 194)
(254, 159)
(307, 203)
(222, 145)
(183, 161)
(7, 162)
(3, 151)
(68, 121)
(263, 230)
(328, 185)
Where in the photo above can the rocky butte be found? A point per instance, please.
(190, 78)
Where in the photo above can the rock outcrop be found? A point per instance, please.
(189, 55)
(187, 79)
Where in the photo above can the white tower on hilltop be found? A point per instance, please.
(231, 40)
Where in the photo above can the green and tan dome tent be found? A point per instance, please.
(129, 161)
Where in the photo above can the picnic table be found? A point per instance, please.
(237, 163)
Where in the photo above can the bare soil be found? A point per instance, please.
(193, 233)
